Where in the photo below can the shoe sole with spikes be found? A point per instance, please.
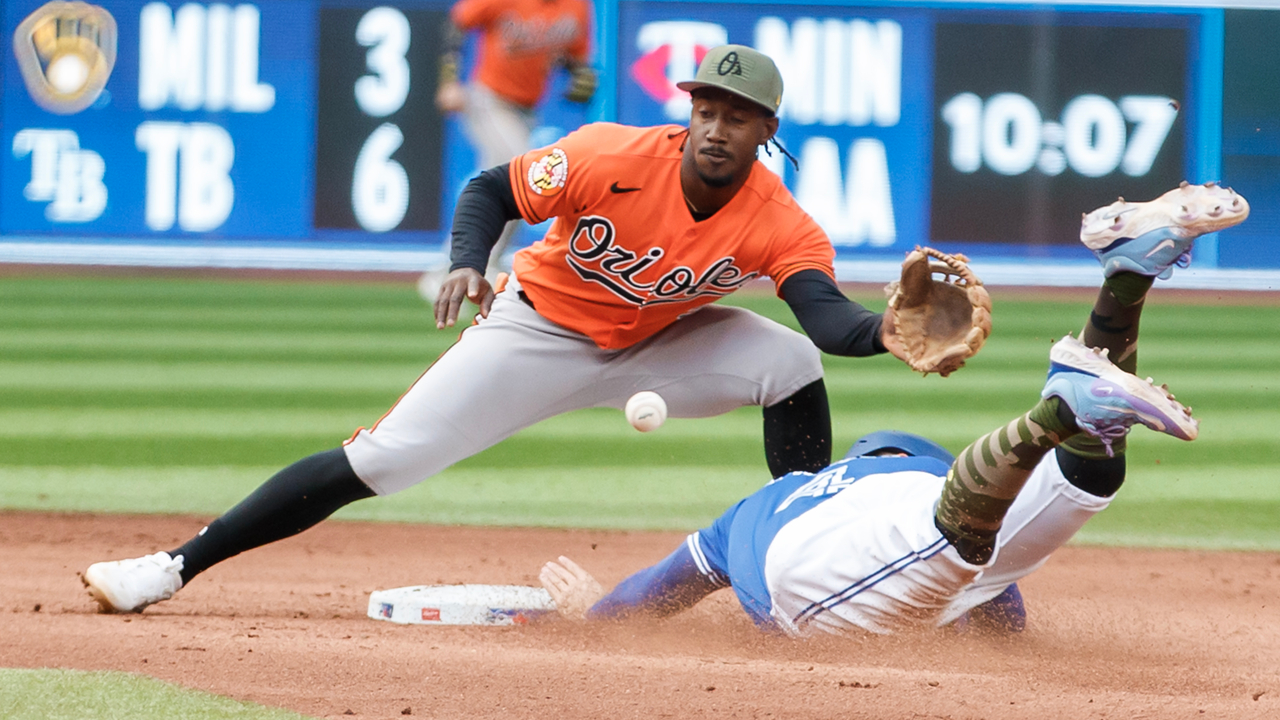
(1106, 400)
(1149, 238)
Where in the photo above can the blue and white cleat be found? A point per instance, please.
(1149, 238)
(1107, 401)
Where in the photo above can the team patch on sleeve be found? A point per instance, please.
(547, 175)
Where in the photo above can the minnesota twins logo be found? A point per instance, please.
(729, 65)
(595, 257)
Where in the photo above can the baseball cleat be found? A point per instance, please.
(1149, 238)
(1107, 401)
(130, 585)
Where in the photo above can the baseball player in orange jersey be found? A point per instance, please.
(521, 41)
(652, 225)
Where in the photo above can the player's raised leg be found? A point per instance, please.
(1136, 243)
(1085, 393)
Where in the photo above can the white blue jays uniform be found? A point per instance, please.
(855, 546)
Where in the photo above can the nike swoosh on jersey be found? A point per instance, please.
(619, 190)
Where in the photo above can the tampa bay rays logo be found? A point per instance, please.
(729, 65)
(595, 257)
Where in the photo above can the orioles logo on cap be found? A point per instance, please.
(729, 65)
(548, 174)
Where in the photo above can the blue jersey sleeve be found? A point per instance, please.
(677, 583)
(694, 570)
(710, 546)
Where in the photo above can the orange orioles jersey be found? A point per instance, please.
(624, 257)
(521, 40)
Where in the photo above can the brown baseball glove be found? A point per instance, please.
(938, 323)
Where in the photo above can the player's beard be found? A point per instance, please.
(715, 181)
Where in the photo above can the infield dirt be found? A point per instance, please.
(1112, 633)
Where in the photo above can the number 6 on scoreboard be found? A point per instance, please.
(380, 187)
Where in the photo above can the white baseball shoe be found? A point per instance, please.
(1149, 238)
(125, 586)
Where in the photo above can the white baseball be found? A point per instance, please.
(646, 411)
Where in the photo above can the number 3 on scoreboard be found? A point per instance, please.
(380, 185)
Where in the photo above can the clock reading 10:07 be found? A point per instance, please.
(1035, 123)
(1008, 134)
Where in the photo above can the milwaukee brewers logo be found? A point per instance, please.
(729, 65)
(596, 257)
(65, 52)
(547, 176)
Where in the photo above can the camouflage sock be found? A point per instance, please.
(988, 474)
(1089, 447)
(1129, 288)
(1113, 326)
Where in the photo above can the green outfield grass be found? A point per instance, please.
(181, 395)
(73, 695)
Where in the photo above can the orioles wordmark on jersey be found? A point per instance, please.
(624, 257)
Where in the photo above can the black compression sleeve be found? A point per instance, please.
(293, 500)
(486, 205)
(836, 324)
(797, 431)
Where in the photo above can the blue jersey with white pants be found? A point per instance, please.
(855, 547)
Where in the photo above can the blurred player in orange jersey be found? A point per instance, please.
(521, 42)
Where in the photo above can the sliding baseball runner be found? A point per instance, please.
(901, 534)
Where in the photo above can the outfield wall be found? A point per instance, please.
(302, 133)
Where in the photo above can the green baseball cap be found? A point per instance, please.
(742, 71)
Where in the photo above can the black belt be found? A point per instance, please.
(525, 299)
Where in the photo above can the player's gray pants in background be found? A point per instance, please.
(499, 130)
(515, 368)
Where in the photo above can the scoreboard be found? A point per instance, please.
(982, 127)
(376, 120)
(228, 121)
